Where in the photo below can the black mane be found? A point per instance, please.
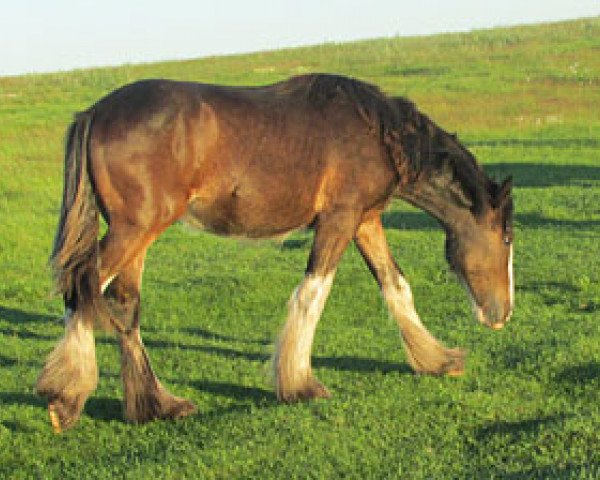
(374, 106)
(415, 144)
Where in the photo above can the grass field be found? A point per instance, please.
(526, 101)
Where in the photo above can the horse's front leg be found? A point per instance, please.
(425, 353)
(291, 361)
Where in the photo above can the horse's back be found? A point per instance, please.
(247, 161)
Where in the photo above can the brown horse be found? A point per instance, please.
(318, 151)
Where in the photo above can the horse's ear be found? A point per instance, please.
(503, 192)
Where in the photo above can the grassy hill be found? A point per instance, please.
(526, 101)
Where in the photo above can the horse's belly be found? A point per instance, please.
(246, 217)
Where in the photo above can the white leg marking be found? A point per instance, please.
(399, 298)
(292, 359)
(424, 352)
(72, 364)
(107, 283)
(79, 337)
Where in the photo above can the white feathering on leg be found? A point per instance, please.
(292, 358)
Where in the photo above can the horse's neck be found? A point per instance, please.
(438, 196)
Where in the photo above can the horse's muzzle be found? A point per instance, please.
(494, 316)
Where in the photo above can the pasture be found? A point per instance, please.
(525, 100)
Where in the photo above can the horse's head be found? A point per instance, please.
(479, 249)
(437, 173)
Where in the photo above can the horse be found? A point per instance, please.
(317, 151)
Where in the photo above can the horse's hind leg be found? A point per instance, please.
(70, 373)
(145, 398)
(291, 361)
(425, 353)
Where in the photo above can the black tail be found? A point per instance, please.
(75, 254)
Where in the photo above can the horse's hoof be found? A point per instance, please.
(63, 415)
(455, 366)
(181, 408)
(316, 389)
(161, 406)
(311, 390)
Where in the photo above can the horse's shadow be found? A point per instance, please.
(342, 363)
(535, 220)
(20, 321)
(419, 221)
(514, 432)
(361, 365)
(104, 409)
(515, 428)
(404, 220)
(240, 393)
(21, 398)
(295, 243)
(16, 316)
(208, 335)
(19, 317)
(582, 374)
(548, 175)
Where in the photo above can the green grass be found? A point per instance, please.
(526, 100)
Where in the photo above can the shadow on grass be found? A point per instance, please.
(514, 433)
(535, 220)
(111, 409)
(16, 427)
(99, 408)
(516, 429)
(20, 317)
(409, 221)
(104, 409)
(361, 364)
(550, 285)
(236, 392)
(553, 293)
(582, 374)
(26, 334)
(20, 398)
(294, 244)
(422, 221)
(208, 335)
(220, 351)
(537, 142)
(7, 361)
(549, 293)
(568, 471)
(352, 364)
(545, 175)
